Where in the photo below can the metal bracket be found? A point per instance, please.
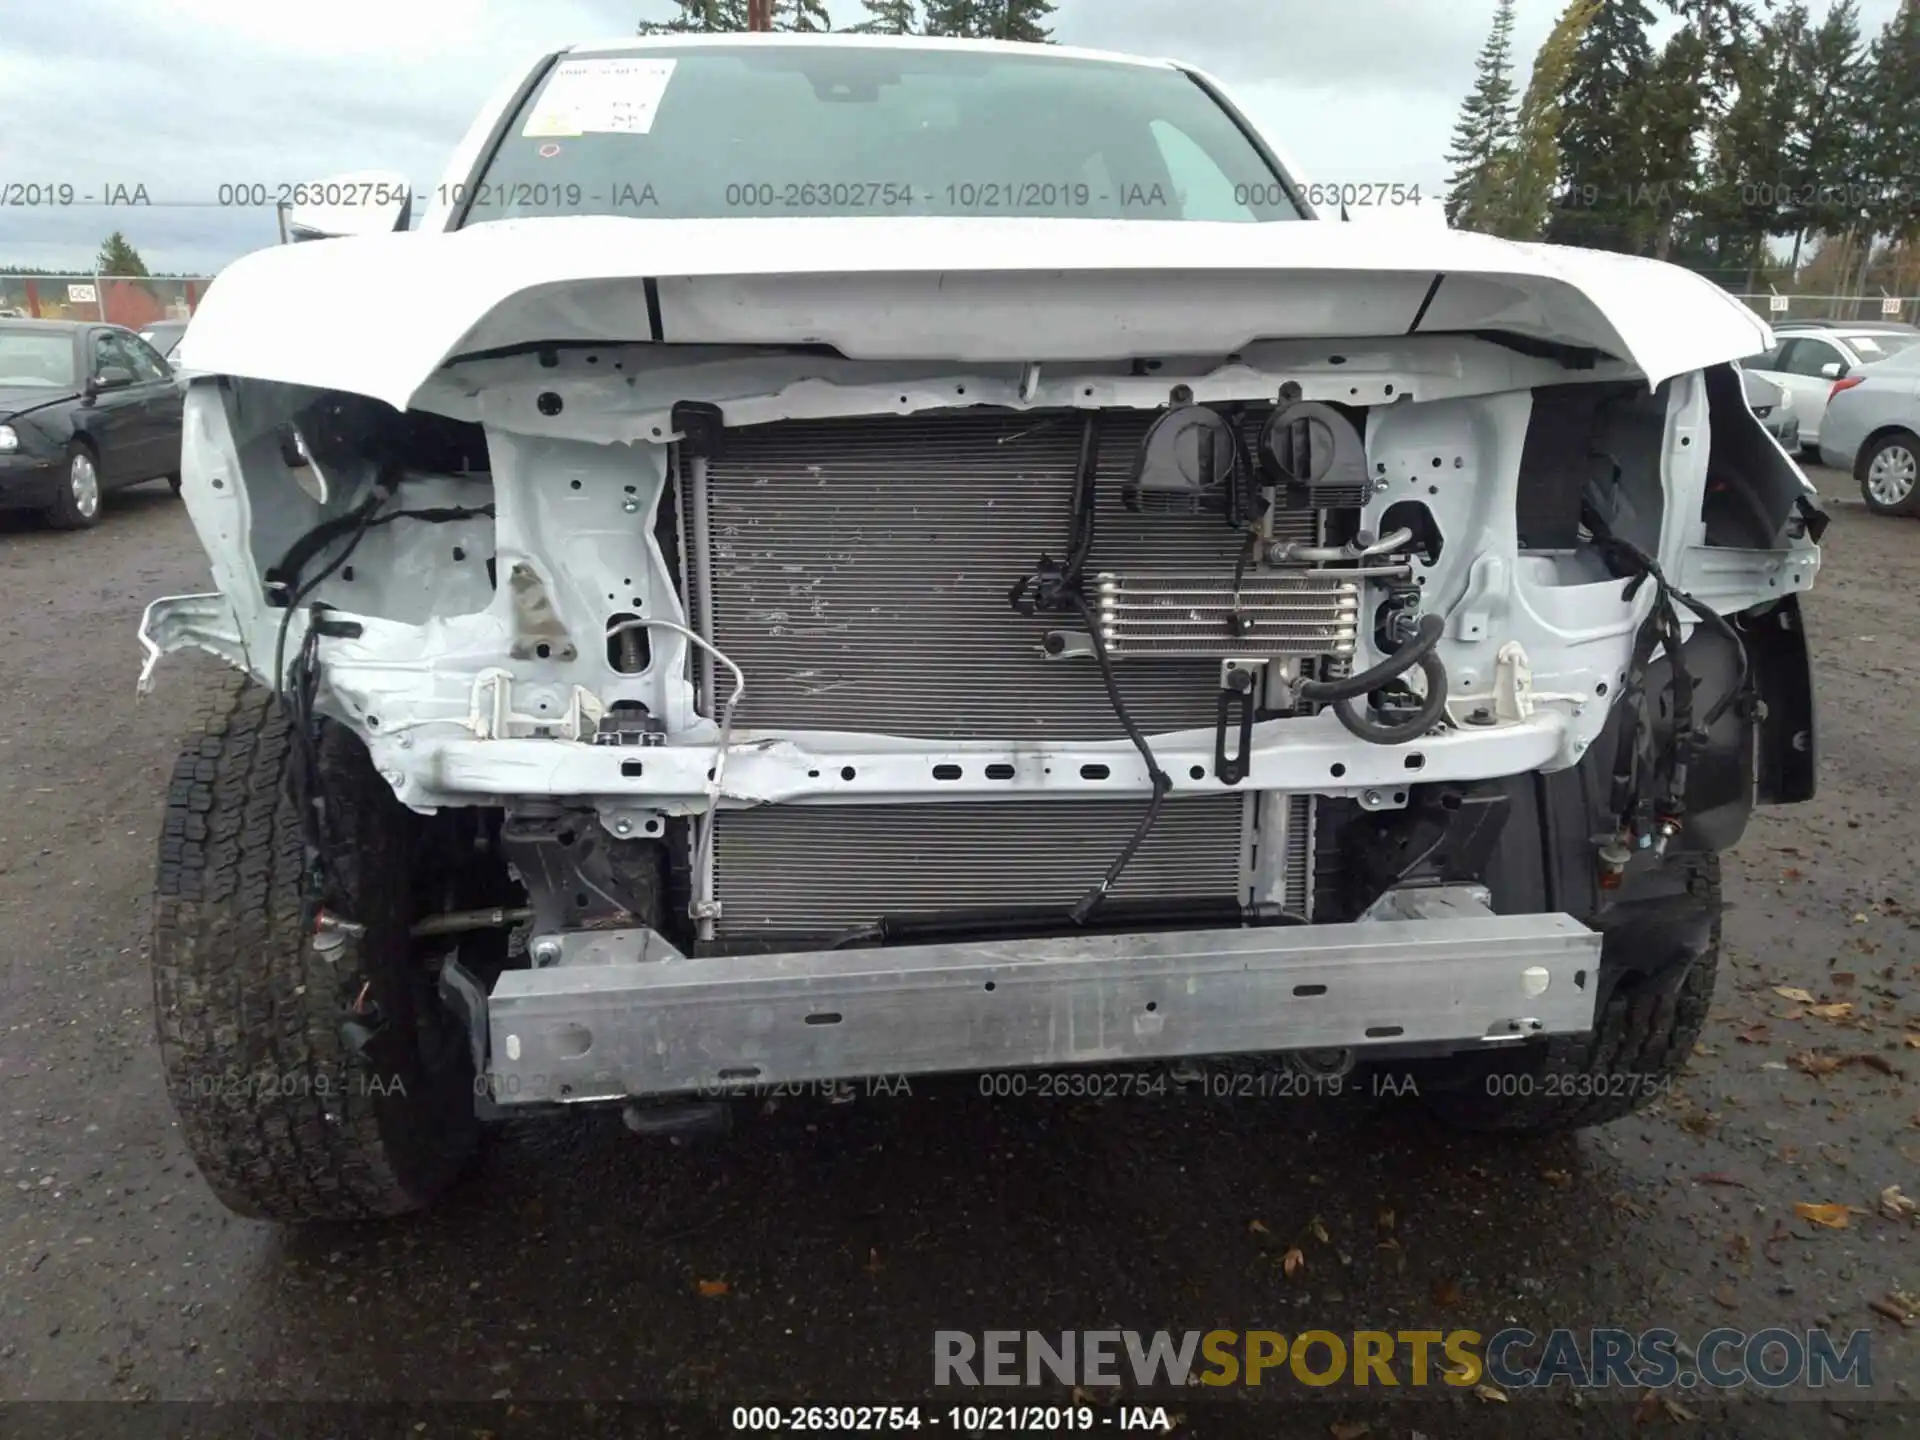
(1239, 679)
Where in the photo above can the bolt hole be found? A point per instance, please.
(565, 838)
(1389, 390)
(543, 650)
(1416, 760)
(1094, 772)
(1308, 991)
(580, 901)
(1399, 797)
(824, 1017)
(813, 774)
(1338, 770)
(218, 483)
(999, 772)
(947, 772)
(459, 552)
(847, 772)
(988, 985)
(373, 722)
(1384, 1032)
(1580, 979)
(1198, 772)
(1601, 688)
(1152, 1006)
(1436, 462)
(575, 484)
(632, 769)
(346, 572)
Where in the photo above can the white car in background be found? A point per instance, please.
(1809, 355)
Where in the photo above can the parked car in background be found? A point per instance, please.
(1809, 355)
(84, 408)
(1873, 429)
(164, 335)
(1772, 405)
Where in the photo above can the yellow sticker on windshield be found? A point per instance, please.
(600, 97)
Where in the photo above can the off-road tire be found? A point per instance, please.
(1640, 1042)
(285, 1120)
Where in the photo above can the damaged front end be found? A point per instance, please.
(843, 716)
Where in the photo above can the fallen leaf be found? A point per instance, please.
(1556, 1177)
(1385, 1217)
(1893, 1312)
(1291, 1262)
(1648, 1408)
(1349, 1429)
(1814, 1063)
(1842, 977)
(1831, 1217)
(1896, 1206)
(1490, 1392)
(1446, 1292)
(1753, 1034)
(1319, 1230)
(1257, 1227)
(1913, 1042)
(1789, 992)
(1837, 1011)
(1714, 1177)
(713, 1287)
(1790, 873)
(874, 1265)
(1676, 1411)
(1876, 1062)
(1724, 1297)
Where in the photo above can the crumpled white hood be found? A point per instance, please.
(379, 315)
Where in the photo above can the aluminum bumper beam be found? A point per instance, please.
(601, 1026)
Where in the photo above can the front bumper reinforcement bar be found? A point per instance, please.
(603, 1026)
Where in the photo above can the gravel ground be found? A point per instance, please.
(810, 1255)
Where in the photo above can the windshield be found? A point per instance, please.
(1879, 345)
(760, 130)
(163, 337)
(30, 359)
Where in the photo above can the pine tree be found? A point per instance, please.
(700, 17)
(804, 15)
(1485, 127)
(1752, 144)
(1669, 109)
(1891, 142)
(1825, 143)
(991, 19)
(891, 17)
(118, 257)
(1601, 156)
(1524, 177)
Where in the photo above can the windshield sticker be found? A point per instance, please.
(601, 97)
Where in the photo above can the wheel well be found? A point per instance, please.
(1866, 446)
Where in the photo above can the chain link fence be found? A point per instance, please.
(134, 301)
(1775, 308)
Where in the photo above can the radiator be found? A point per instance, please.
(809, 869)
(859, 576)
(860, 572)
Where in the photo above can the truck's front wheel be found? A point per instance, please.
(313, 1080)
(1642, 1035)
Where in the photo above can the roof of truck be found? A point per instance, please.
(840, 40)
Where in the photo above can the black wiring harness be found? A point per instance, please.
(297, 684)
(1648, 795)
(1418, 650)
(1056, 588)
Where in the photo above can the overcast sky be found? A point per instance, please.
(186, 96)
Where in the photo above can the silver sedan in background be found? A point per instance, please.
(1872, 427)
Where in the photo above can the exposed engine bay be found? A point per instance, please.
(801, 650)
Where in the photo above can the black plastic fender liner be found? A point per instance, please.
(1788, 743)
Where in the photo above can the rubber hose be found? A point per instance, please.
(1411, 729)
(1426, 638)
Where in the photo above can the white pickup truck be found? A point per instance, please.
(824, 558)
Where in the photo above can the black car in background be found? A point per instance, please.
(84, 408)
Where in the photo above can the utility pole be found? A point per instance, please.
(759, 14)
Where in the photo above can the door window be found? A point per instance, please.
(1805, 357)
(145, 361)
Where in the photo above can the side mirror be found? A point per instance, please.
(368, 202)
(111, 377)
(1833, 370)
